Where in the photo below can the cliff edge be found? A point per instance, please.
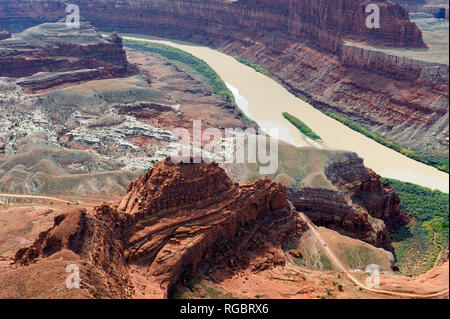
(52, 54)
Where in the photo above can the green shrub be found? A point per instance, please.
(414, 245)
(301, 126)
(254, 66)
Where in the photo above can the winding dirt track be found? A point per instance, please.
(436, 262)
(340, 266)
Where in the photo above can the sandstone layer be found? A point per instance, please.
(326, 22)
(89, 241)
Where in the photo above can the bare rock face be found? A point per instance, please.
(363, 187)
(170, 185)
(332, 210)
(89, 241)
(363, 207)
(180, 217)
(52, 54)
(65, 234)
(186, 208)
(171, 218)
(405, 100)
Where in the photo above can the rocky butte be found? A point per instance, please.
(309, 46)
(171, 218)
(52, 54)
(180, 218)
(362, 207)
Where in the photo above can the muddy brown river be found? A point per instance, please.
(264, 100)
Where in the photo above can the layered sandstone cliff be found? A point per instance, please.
(364, 189)
(325, 22)
(185, 209)
(187, 219)
(361, 207)
(405, 100)
(172, 218)
(89, 242)
(54, 54)
(434, 75)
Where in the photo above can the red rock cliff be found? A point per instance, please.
(403, 99)
(54, 48)
(325, 21)
(178, 217)
(363, 207)
(170, 219)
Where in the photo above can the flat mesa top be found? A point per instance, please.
(52, 34)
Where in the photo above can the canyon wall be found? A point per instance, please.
(391, 95)
(326, 22)
(302, 44)
(401, 68)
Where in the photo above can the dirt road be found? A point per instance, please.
(341, 267)
(436, 262)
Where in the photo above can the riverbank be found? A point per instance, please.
(267, 100)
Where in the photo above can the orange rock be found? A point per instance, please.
(171, 218)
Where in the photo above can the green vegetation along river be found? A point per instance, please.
(264, 101)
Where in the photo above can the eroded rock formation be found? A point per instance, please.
(363, 207)
(52, 54)
(171, 218)
(180, 218)
(326, 22)
(91, 242)
(405, 100)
